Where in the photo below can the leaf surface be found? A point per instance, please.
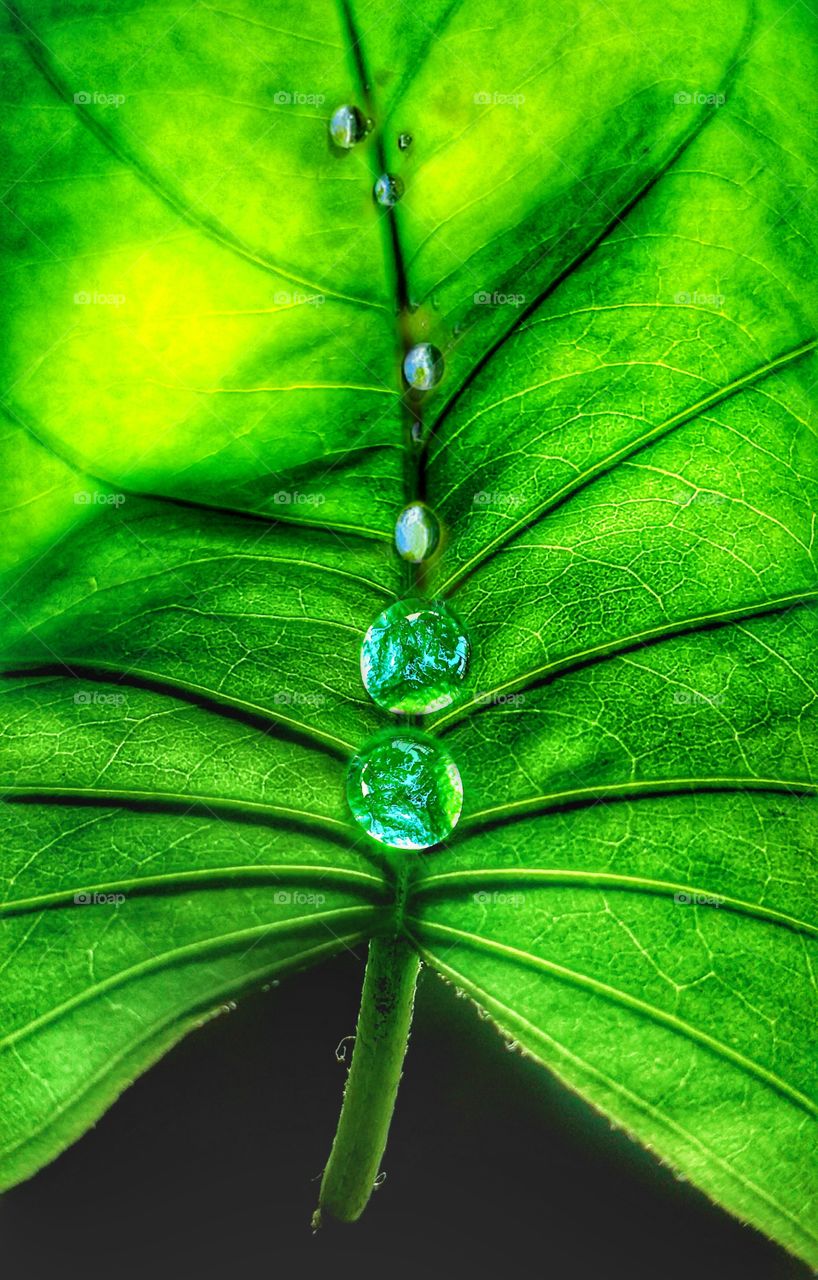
(608, 222)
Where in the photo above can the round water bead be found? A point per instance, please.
(423, 366)
(347, 126)
(417, 532)
(414, 657)
(388, 189)
(405, 790)
(404, 141)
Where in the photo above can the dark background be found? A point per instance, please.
(209, 1166)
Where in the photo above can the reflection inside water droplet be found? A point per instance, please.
(417, 532)
(388, 189)
(347, 126)
(404, 141)
(414, 657)
(405, 790)
(423, 366)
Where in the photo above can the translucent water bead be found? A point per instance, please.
(423, 366)
(414, 657)
(405, 790)
(348, 125)
(388, 189)
(417, 533)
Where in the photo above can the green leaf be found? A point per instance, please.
(205, 446)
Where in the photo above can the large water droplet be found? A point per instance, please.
(347, 126)
(388, 189)
(404, 141)
(405, 790)
(414, 657)
(417, 532)
(423, 366)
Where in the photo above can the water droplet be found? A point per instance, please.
(405, 790)
(404, 141)
(388, 189)
(417, 532)
(414, 657)
(423, 366)
(347, 126)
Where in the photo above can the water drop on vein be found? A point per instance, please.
(414, 657)
(423, 366)
(417, 532)
(405, 790)
(348, 126)
(388, 190)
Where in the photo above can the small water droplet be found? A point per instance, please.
(380, 1180)
(404, 141)
(417, 432)
(423, 366)
(347, 126)
(414, 657)
(417, 531)
(388, 189)
(405, 790)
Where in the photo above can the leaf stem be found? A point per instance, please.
(381, 1038)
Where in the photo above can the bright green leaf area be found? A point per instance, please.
(609, 229)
